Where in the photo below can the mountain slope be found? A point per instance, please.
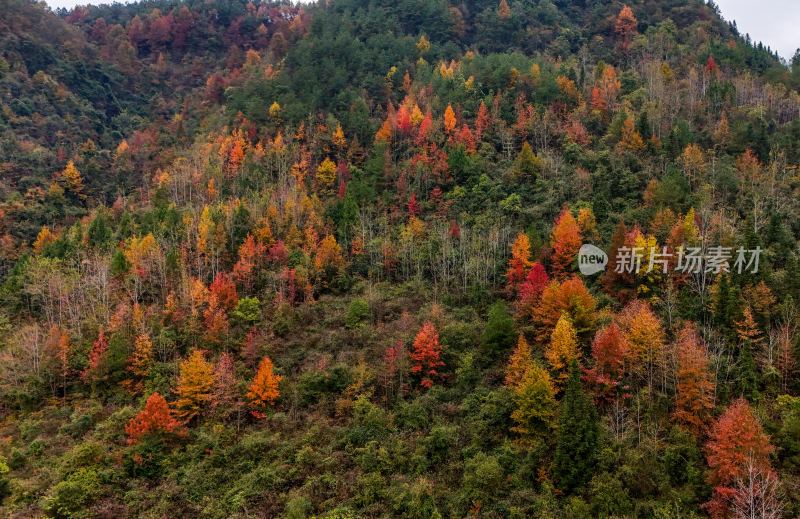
(267, 260)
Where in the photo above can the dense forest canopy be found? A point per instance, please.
(277, 260)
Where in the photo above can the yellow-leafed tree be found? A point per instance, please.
(195, 383)
(563, 347)
(519, 363)
(73, 180)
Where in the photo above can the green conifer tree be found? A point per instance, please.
(578, 431)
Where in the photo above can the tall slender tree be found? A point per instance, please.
(578, 434)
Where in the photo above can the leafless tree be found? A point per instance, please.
(757, 494)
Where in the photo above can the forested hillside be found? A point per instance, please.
(274, 260)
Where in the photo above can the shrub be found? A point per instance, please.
(357, 313)
(483, 477)
(4, 482)
(70, 497)
(248, 310)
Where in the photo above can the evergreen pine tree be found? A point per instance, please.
(498, 336)
(750, 339)
(578, 431)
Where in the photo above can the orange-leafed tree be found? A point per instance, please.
(449, 119)
(155, 418)
(736, 442)
(747, 329)
(625, 27)
(385, 132)
(751, 344)
(264, 391)
(503, 10)
(195, 382)
(224, 289)
(570, 297)
(630, 139)
(482, 121)
(565, 241)
(338, 138)
(519, 362)
(694, 163)
(59, 349)
(328, 260)
(520, 261)
(694, 388)
(250, 254)
(426, 353)
(43, 239)
(216, 322)
(604, 93)
(646, 338)
(395, 365)
(142, 357)
(562, 349)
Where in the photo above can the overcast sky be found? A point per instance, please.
(774, 22)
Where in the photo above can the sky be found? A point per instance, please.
(773, 22)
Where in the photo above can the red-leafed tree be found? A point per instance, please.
(530, 290)
(413, 205)
(735, 443)
(426, 353)
(97, 355)
(467, 138)
(609, 351)
(395, 363)
(711, 65)
(278, 253)
(404, 124)
(425, 128)
(225, 391)
(155, 418)
(455, 230)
